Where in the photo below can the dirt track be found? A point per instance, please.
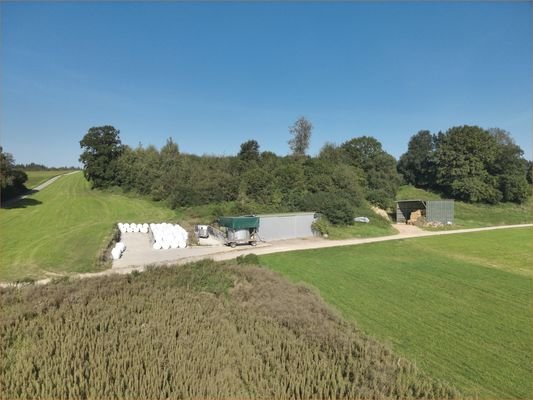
(137, 260)
(36, 189)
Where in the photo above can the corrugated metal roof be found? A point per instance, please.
(285, 214)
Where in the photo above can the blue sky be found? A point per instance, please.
(214, 75)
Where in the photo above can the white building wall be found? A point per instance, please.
(285, 226)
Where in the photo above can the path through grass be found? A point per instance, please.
(458, 305)
(35, 178)
(62, 228)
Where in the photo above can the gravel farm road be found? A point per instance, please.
(138, 261)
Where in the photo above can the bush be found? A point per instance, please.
(321, 225)
(103, 258)
(248, 259)
(381, 199)
(335, 207)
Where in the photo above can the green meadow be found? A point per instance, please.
(61, 229)
(459, 306)
(35, 178)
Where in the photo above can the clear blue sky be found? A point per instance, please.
(214, 75)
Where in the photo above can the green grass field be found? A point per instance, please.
(62, 228)
(476, 215)
(459, 306)
(35, 178)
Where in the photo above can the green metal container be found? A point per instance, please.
(236, 223)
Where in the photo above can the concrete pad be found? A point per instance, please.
(139, 252)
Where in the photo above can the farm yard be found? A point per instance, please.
(458, 306)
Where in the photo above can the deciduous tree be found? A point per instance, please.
(379, 167)
(101, 149)
(249, 151)
(416, 165)
(301, 136)
(463, 159)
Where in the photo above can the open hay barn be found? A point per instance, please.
(433, 210)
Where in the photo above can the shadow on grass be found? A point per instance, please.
(22, 203)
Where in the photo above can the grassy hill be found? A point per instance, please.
(476, 215)
(459, 305)
(35, 178)
(62, 229)
(202, 330)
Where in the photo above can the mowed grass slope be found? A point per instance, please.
(62, 228)
(458, 305)
(35, 178)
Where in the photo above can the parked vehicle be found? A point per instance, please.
(240, 230)
(203, 231)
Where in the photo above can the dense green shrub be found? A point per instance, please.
(248, 259)
(334, 206)
(11, 179)
(321, 225)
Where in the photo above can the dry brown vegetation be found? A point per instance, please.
(203, 330)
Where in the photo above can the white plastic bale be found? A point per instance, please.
(136, 228)
(156, 246)
(165, 246)
(115, 253)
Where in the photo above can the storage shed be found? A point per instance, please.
(285, 226)
(433, 210)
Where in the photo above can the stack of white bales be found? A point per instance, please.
(118, 250)
(142, 228)
(168, 236)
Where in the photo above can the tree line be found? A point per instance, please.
(41, 167)
(335, 182)
(466, 163)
